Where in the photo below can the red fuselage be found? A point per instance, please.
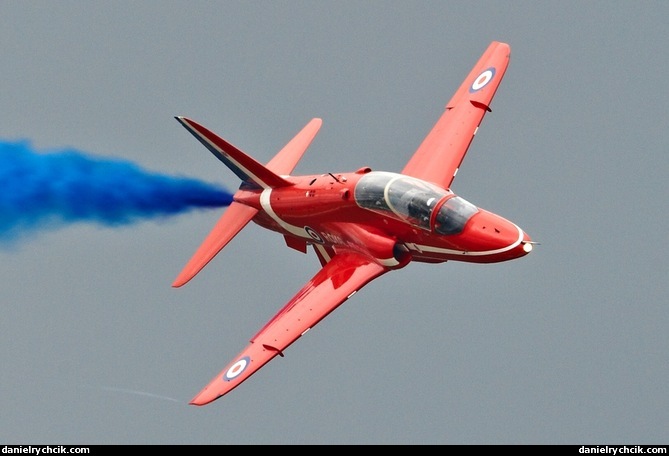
(394, 218)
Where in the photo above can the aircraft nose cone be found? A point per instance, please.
(492, 231)
(498, 237)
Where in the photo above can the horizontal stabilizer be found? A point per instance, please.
(235, 217)
(285, 160)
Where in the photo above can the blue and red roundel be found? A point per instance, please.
(482, 80)
(236, 369)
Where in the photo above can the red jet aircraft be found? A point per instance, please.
(361, 224)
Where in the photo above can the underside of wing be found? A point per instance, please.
(440, 154)
(340, 278)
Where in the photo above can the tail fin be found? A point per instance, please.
(237, 215)
(245, 167)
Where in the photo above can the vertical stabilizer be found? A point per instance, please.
(245, 167)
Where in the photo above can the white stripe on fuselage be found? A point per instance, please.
(265, 203)
(430, 248)
(323, 252)
(300, 231)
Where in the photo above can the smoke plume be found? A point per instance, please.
(48, 190)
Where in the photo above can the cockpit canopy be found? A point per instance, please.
(414, 201)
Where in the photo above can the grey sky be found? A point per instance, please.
(567, 345)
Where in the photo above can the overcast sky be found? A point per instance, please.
(568, 345)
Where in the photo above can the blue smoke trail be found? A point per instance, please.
(42, 191)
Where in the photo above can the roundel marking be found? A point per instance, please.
(236, 369)
(314, 235)
(482, 80)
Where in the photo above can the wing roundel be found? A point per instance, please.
(345, 274)
(440, 154)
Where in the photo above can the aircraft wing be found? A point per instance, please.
(340, 278)
(440, 154)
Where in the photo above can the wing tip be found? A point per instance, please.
(183, 278)
(203, 399)
(179, 283)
